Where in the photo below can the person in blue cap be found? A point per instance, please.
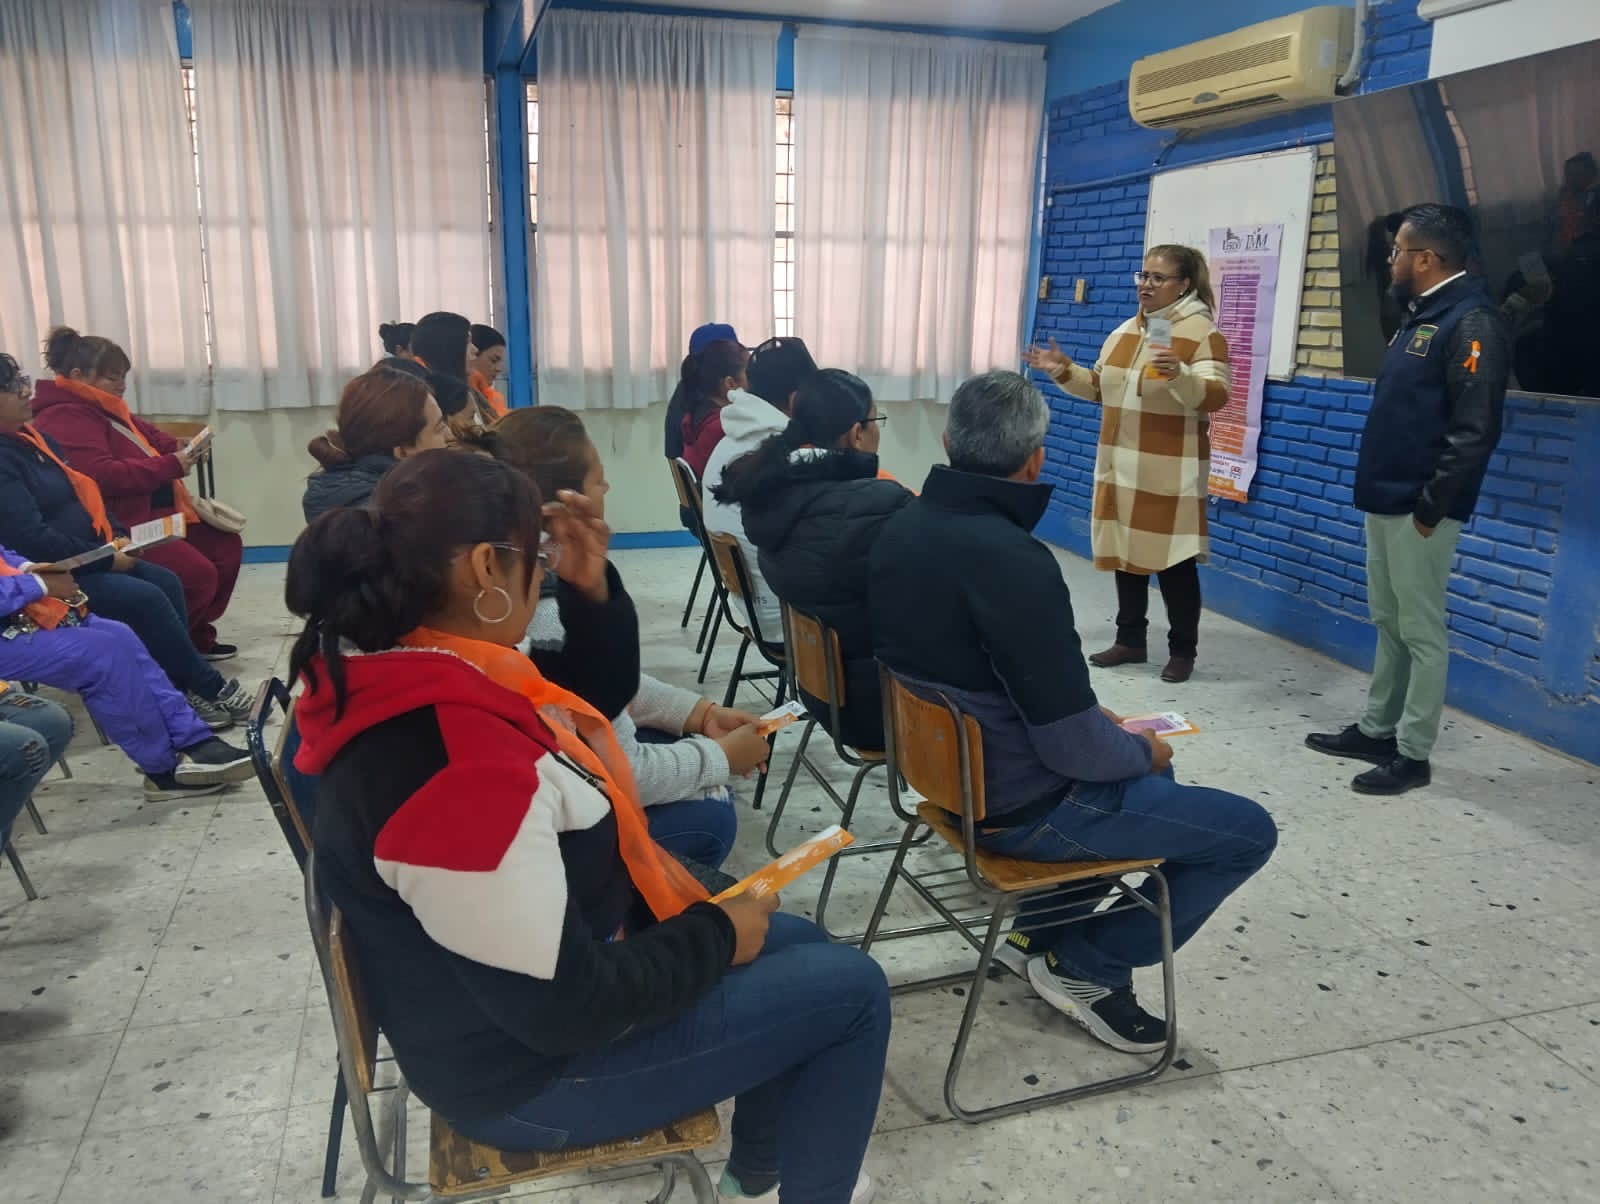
(703, 337)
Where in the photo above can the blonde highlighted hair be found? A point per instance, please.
(1191, 265)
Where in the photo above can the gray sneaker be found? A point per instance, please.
(236, 700)
(213, 714)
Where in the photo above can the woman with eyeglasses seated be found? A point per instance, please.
(684, 750)
(50, 513)
(546, 974)
(813, 501)
(384, 416)
(139, 469)
(1152, 469)
(48, 635)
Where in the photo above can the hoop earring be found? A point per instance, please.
(477, 602)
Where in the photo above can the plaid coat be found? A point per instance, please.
(1152, 469)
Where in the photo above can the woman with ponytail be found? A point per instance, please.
(1152, 471)
(384, 416)
(707, 382)
(139, 469)
(545, 973)
(813, 501)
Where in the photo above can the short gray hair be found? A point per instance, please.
(996, 422)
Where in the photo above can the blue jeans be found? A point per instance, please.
(1212, 841)
(34, 733)
(798, 1037)
(700, 829)
(149, 599)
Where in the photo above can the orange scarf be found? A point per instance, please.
(117, 410)
(88, 492)
(483, 385)
(586, 738)
(47, 613)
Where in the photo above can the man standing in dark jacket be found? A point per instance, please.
(964, 601)
(1434, 423)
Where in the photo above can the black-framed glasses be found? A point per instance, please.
(1396, 251)
(882, 419)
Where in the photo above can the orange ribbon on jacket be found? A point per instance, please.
(88, 492)
(483, 385)
(1472, 358)
(585, 737)
(117, 410)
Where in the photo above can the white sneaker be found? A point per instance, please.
(728, 1191)
(1013, 953)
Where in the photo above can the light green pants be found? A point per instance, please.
(1407, 582)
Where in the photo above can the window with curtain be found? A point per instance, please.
(97, 200)
(342, 175)
(915, 165)
(655, 199)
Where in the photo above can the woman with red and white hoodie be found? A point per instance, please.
(545, 973)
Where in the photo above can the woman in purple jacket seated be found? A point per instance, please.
(47, 635)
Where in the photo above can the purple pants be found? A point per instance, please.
(125, 691)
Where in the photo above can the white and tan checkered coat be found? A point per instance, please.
(1154, 460)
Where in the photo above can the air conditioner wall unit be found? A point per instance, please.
(1280, 64)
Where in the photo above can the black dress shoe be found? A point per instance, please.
(1394, 777)
(1353, 743)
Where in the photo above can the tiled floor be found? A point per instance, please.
(1405, 1005)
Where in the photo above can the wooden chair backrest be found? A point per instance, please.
(688, 487)
(731, 568)
(927, 737)
(813, 645)
(352, 1019)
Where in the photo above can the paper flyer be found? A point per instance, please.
(801, 859)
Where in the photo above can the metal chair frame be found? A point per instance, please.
(17, 868)
(734, 573)
(1083, 890)
(690, 498)
(384, 1158)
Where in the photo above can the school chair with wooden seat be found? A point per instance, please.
(817, 666)
(691, 505)
(938, 751)
(459, 1168)
(205, 472)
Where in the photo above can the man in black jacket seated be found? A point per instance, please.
(1434, 423)
(966, 602)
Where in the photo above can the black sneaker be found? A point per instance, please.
(213, 762)
(159, 787)
(1354, 744)
(1395, 776)
(221, 652)
(1111, 1016)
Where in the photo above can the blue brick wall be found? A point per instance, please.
(1292, 559)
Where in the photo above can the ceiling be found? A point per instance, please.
(1015, 16)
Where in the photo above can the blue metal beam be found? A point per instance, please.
(512, 183)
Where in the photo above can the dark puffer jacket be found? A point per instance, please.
(349, 484)
(814, 523)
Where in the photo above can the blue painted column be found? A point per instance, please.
(1572, 624)
(511, 112)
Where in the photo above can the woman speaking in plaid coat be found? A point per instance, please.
(1155, 388)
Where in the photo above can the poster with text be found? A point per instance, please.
(1244, 276)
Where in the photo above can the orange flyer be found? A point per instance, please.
(801, 859)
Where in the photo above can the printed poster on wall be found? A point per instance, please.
(1244, 276)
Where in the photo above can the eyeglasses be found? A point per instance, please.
(1154, 279)
(881, 418)
(549, 554)
(21, 383)
(1397, 251)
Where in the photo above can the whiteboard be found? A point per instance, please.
(1257, 189)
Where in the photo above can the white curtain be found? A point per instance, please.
(916, 161)
(343, 183)
(97, 191)
(656, 201)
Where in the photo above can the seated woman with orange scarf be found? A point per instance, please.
(49, 513)
(140, 471)
(545, 973)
